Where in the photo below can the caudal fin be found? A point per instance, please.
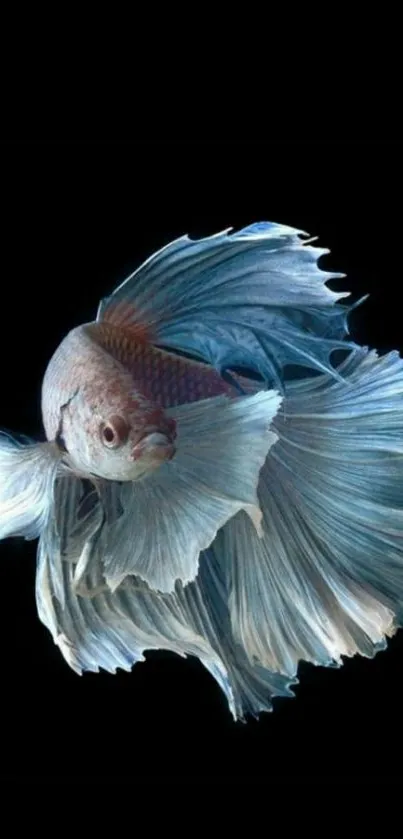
(326, 580)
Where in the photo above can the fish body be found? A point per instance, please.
(247, 519)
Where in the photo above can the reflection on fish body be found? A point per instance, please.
(250, 520)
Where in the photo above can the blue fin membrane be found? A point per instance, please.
(254, 298)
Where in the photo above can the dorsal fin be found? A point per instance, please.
(253, 298)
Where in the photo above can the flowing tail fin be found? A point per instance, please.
(327, 578)
(27, 474)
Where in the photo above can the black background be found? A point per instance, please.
(75, 220)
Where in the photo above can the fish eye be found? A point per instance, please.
(109, 436)
(114, 432)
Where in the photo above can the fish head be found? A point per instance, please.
(119, 436)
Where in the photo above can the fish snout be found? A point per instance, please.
(154, 445)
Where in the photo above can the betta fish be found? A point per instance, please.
(192, 495)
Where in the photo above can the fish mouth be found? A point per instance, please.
(154, 446)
